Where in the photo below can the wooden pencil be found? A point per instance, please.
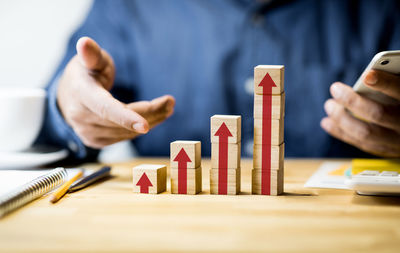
(60, 192)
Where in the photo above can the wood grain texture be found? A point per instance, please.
(233, 181)
(277, 156)
(234, 151)
(277, 75)
(277, 106)
(234, 124)
(108, 217)
(276, 183)
(277, 132)
(194, 181)
(157, 174)
(192, 149)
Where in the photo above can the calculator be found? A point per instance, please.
(372, 182)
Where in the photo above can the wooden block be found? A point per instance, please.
(277, 156)
(233, 132)
(276, 182)
(277, 106)
(187, 152)
(233, 183)
(193, 181)
(277, 130)
(149, 178)
(233, 155)
(275, 72)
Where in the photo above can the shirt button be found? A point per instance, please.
(249, 86)
(248, 147)
(72, 146)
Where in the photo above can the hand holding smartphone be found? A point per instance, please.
(368, 116)
(388, 61)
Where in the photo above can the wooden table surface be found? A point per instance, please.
(109, 217)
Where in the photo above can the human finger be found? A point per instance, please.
(103, 104)
(97, 136)
(331, 127)
(360, 130)
(91, 56)
(384, 82)
(365, 108)
(156, 110)
(95, 131)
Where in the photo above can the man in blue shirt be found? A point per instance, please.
(111, 87)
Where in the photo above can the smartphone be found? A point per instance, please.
(388, 61)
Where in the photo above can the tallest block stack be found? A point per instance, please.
(268, 153)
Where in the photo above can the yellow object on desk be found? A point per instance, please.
(59, 193)
(359, 165)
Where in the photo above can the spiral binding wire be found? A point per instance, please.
(32, 190)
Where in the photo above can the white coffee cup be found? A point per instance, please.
(21, 117)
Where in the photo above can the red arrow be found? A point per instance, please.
(144, 183)
(223, 133)
(267, 83)
(182, 158)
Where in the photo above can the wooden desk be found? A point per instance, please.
(110, 218)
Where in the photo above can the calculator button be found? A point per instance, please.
(389, 173)
(369, 173)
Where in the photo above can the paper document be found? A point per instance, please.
(329, 175)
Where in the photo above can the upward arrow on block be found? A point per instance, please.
(267, 83)
(182, 158)
(144, 183)
(223, 133)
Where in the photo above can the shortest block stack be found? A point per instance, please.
(269, 111)
(225, 154)
(149, 178)
(186, 176)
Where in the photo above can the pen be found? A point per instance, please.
(90, 179)
(59, 193)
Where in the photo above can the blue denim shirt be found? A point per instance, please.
(203, 53)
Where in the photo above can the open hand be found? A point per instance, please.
(88, 107)
(379, 131)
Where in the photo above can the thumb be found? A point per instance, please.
(104, 105)
(384, 82)
(154, 111)
(161, 105)
(90, 55)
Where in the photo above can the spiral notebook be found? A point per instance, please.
(17, 187)
(12, 179)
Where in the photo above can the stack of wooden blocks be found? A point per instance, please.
(268, 155)
(186, 176)
(225, 154)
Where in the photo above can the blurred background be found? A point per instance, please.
(33, 37)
